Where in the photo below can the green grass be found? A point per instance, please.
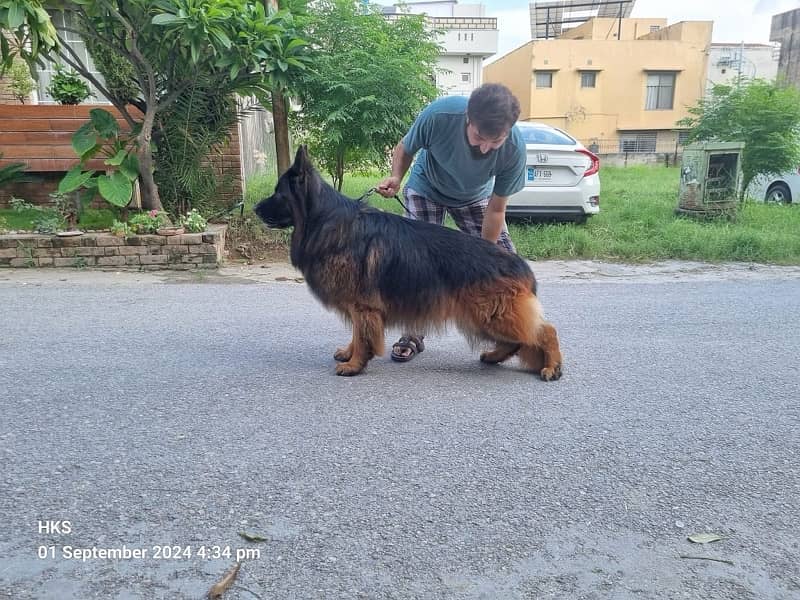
(637, 223)
(92, 218)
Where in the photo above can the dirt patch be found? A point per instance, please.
(248, 241)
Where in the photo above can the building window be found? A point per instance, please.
(466, 60)
(544, 79)
(588, 79)
(637, 141)
(654, 28)
(62, 21)
(683, 137)
(465, 77)
(660, 91)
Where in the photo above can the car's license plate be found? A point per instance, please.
(540, 174)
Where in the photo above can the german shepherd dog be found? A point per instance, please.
(379, 269)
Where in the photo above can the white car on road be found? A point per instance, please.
(561, 178)
(783, 189)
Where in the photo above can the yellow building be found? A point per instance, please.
(621, 84)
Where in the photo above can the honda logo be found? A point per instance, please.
(541, 157)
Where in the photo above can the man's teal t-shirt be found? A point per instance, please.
(445, 170)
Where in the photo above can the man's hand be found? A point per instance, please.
(400, 163)
(494, 219)
(388, 187)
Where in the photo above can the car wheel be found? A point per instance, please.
(779, 194)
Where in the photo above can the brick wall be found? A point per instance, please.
(227, 163)
(136, 252)
(36, 192)
(6, 97)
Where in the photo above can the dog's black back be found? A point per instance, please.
(408, 263)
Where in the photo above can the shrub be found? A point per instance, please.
(148, 222)
(21, 84)
(67, 87)
(194, 222)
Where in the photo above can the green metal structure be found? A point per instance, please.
(711, 178)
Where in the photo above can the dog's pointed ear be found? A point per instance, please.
(302, 162)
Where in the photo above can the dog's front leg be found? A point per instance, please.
(368, 327)
(344, 354)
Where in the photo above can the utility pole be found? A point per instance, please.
(741, 60)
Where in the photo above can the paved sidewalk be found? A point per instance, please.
(561, 271)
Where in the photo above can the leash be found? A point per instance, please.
(239, 205)
(371, 191)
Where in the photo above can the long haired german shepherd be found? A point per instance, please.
(379, 269)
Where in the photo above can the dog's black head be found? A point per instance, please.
(295, 189)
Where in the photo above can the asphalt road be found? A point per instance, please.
(164, 415)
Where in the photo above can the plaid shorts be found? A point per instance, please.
(468, 219)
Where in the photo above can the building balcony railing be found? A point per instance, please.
(484, 23)
(633, 146)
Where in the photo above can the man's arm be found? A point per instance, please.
(401, 161)
(494, 219)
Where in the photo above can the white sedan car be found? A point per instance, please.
(561, 179)
(783, 189)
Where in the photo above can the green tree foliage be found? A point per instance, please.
(117, 71)
(762, 114)
(172, 46)
(199, 121)
(370, 78)
(22, 85)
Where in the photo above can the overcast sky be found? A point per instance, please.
(734, 20)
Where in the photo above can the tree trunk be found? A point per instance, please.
(150, 197)
(280, 116)
(339, 177)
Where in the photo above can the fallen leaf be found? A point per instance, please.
(722, 560)
(223, 584)
(703, 538)
(251, 537)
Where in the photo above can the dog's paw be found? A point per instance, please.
(343, 354)
(491, 358)
(348, 369)
(548, 374)
(502, 351)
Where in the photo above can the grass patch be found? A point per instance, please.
(23, 220)
(637, 223)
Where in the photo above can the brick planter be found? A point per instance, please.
(103, 250)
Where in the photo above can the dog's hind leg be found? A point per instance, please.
(545, 356)
(516, 319)
(368, 328)
(502, 351)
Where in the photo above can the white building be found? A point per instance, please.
(468, 37)
(729, 62)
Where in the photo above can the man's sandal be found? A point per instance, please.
(407, 342)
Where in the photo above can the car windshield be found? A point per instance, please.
(542, 135)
